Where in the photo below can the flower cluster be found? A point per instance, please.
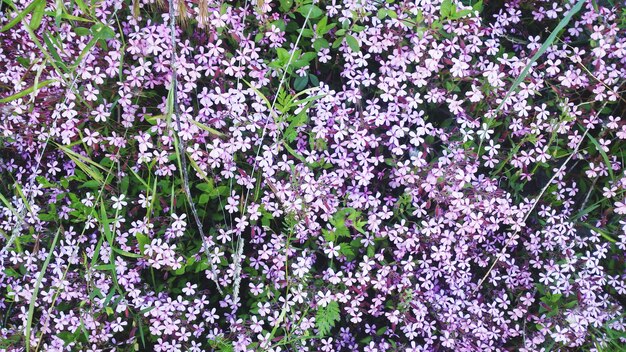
(312, 175)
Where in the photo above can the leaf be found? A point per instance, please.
(353, 43)
(294, 153)
(53, 51)
(83, 52)
(285, 5)
(82, 161)
(291, 132)
(33, 299)
(92, 184)
(105, 267)
(313, 11)
(300, 83)
(126, 253)
(102, 31)
(326, 317)
(21, 15)
(320, 43)
(142, 240)
(308, 57)
(124, 184)
(27, 91)
(605, 157)
(314, 80)
(207, 128)
(82, 7)
(447, 9)
(478, 6)
(283, 55)
(35, 20)
(82, 31)
(346, 249)
(541, 50)
(320, 29)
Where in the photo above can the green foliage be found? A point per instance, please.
(449, 10)
(353, 43)
(314, 10)
(36, 7)
(327, 317)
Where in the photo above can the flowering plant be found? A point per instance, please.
(312, 175)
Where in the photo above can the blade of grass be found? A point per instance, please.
(33, 298)
(207, 128)
(544, 47)
(179, 143)
(605, 157)
(240, 242)
(33, 5)
(534, 204)
(28, 90)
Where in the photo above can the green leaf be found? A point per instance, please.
(31, 306)
(337, 42)
(605, 157)
(314, 10)
(82, 31)
(82, 161)
(447, 9)
(353, 43)
(203, 199)
(27, 91)
(320, 43)
(308, 57)
(478, 6)
(126, 253)
(142, 240)
(358, 29)
(82, 7)
(92, 184)
(83, 52)
(320, 28)
(23, 61)
(307, 33)
(21, 15)
(102, 31)
(124, 184)
(283, 55)
(326, 317)
(53, 51)
(35, 20)
(207, 128)
(300, 83)
(346, 250)
(285, 5)
(105, 267)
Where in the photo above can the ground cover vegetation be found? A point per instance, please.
(298, 175)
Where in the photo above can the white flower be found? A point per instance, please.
(119, 203)
(190, 289)
(331, 250)
(620, 208)
(118, 325)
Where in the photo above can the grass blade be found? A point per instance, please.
(541, 51)
(21, 15)
(33, 298)
(27, 91)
